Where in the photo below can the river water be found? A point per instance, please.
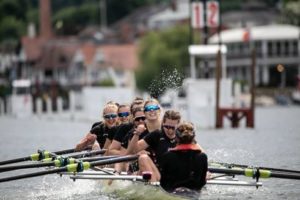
(275, 142)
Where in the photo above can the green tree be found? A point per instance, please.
(11, 29)
(291, 12)
(163, 56)
(75, 18)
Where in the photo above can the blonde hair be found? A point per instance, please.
(110, 104)
(152, 100)
(113, 106)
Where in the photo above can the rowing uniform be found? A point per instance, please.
(129, 136)
(122, 130)
(183, 166)
(102, 132)
(133, 167)
(159, 143)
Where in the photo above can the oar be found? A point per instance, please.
(76, 167)
(255, 173)
(58, 162)
(230, 165)
(37, 156)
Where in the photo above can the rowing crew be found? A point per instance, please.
(167, 148)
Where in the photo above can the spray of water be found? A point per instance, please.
(167, 79)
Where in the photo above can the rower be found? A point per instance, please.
(120, 132)
(124, 113)
(152, 123)
(185, 165)
(159, 141)
(101, 131)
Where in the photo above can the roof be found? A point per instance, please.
(269, 32)
(180, 13)
(120, 56)
(57, 54)
(32, 47)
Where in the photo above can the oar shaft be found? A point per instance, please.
(24, 166)
(35, 174)
(260, 173)
(52, 163)
(266, 168)
(76, 167)
(89, 153)
(16, 160)
(114, 160)
(98, 158)
(285, 175)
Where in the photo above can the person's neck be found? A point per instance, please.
(153, 125)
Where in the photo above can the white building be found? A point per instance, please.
(276, 46)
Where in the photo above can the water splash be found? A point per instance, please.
(167, 79)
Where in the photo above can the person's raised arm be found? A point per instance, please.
(135, 145)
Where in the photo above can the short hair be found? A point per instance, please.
(123, 106)
(137, 109)
(137, 101)
(172, 115)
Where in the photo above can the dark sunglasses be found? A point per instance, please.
(123, 114)
(137, 119)
(151, 108)
(110, 116)
(169, 127)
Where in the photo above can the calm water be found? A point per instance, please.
(275, 142)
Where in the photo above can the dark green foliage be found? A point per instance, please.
(163, 56)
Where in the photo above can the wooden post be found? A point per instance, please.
(250, 121)
(219, 116)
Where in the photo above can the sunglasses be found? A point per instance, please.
(137, 119)
(169, 127)
(151, 108)
(123, 114)
(110, 116)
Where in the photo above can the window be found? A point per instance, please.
(278, 48)
(48, 73)
(295, 48)
(270, 48)
(286, 48)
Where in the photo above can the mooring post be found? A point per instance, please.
(250, 116)
(219, 116)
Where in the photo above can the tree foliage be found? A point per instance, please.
(75, 19)
(164, 57)
(291, 12)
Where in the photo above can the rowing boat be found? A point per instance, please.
(137, 187)
(127, 186)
